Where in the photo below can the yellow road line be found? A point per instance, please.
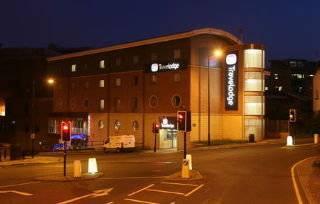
(295, 184)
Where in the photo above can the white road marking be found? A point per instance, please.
(162, 191)
(17, 192)
(19, 184)
(109, 203)
(179, 184)
(194, 190)
(295, 184)
(140, 201)
(97, 193)
(142, 189)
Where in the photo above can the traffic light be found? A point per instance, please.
(155, 128)
(65, 131)
(184, 121)
(292, 115)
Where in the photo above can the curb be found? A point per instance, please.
(194, 175)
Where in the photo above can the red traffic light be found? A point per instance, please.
(65, 127)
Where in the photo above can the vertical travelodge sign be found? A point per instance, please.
(231, 82)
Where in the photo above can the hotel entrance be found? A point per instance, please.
(168, 133)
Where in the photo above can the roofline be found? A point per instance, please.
(211, 31)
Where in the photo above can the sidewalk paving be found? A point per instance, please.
(309, 179)
(35, 160)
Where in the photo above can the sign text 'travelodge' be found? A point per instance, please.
(231, 82)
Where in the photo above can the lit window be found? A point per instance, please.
(254, 58)
(135, 125)
(101, 124)
(101, 104)
(253, 81)
(176, 101)
(117, 125)
(101, 83)
(118, 81)
(2, 108)
(176, 77)
(177, 54)
(254, 105)
(101, 64)
(135, 59)
(73, 68)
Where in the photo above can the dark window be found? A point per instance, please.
(135, 81)
(86, 103)
(134, 104)
(116, 104)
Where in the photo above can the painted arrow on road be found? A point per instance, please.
(17, 192)
(94, 194)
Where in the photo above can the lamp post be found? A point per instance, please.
(217, 54)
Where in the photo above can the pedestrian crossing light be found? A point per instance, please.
(292, 115)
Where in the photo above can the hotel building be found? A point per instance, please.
(123, 89)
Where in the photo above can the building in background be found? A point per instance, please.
(316, 91)
(25, 98)
(124, 89)
(289, 85)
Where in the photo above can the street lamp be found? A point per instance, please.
(217, 54)
(51, 81)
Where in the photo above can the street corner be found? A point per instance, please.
(56, 178)
(306, 179)
(193, 175)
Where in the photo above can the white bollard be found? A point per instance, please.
(185, 169)
(289, 141)
(189, 158)
(316, 138)
(92, 166)
(77, 168)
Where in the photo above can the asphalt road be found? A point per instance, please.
(256, 174)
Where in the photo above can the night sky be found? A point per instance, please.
(288, 28)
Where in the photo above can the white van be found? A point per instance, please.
(119, 142)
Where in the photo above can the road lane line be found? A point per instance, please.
(140, 201)
(162, 191)
(194, 190)
(19, 184)
(294, 181)
(17, 192)
(109, 203)
(180, 184)
(142, 189)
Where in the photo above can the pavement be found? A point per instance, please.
(29, 160)
(308, 177)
